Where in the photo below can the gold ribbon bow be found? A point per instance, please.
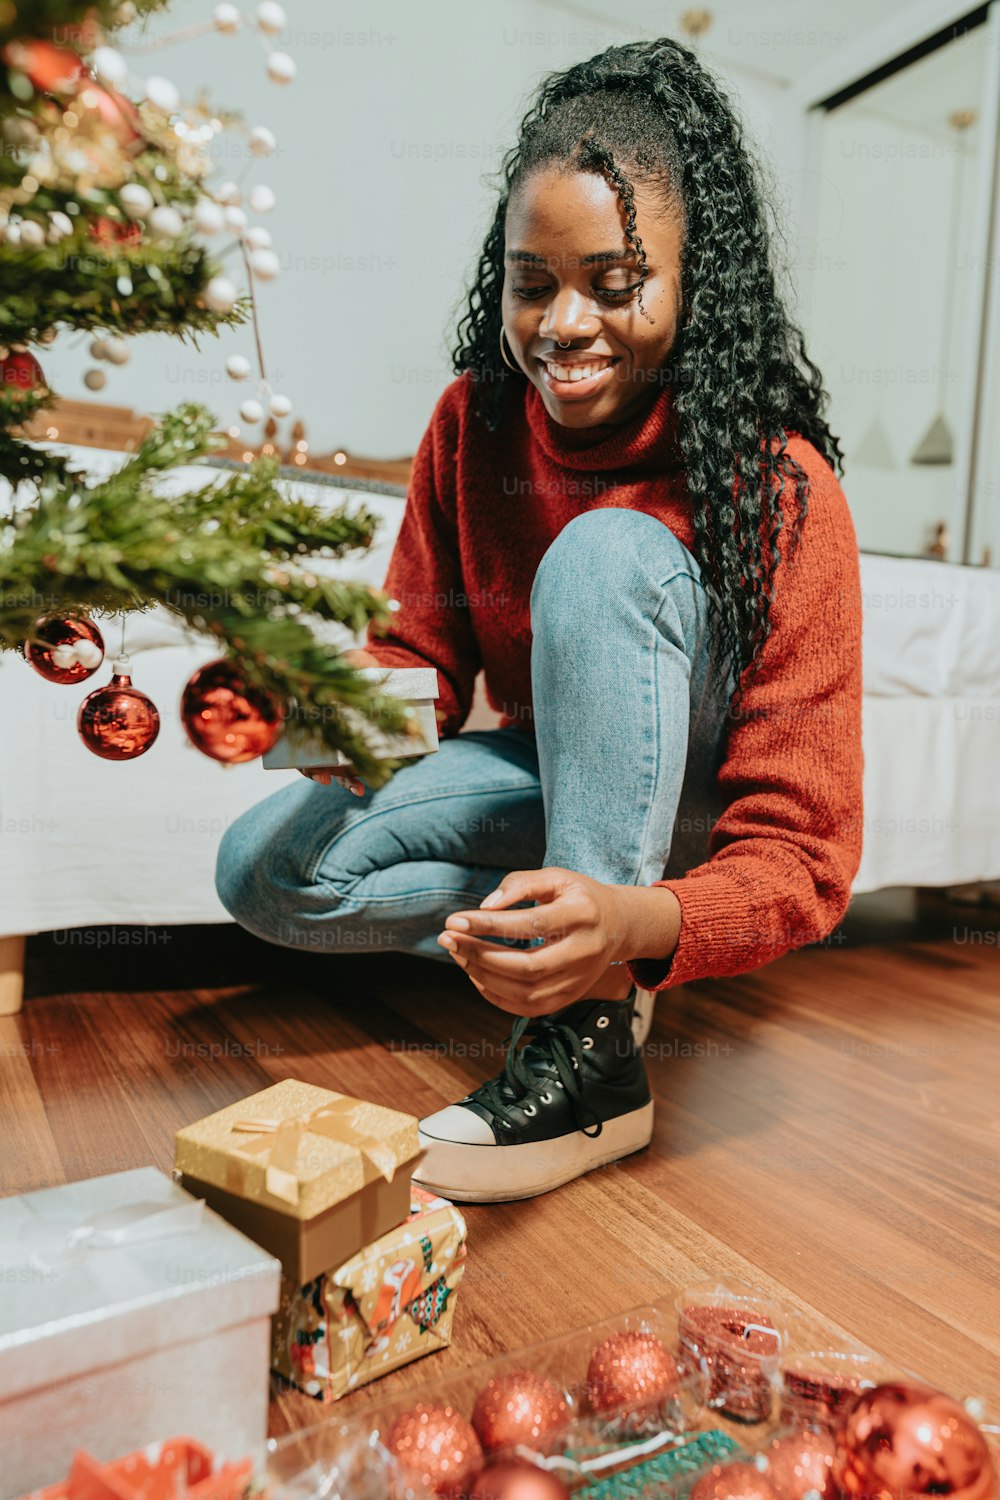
(278, 1141)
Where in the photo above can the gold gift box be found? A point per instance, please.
(391, 1303)
(309, 1174)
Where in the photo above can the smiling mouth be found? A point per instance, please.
(578, 378)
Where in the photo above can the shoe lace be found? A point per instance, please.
(556, 1053)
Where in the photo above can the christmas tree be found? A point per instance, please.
(105, 201)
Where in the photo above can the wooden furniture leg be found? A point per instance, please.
(11, 974)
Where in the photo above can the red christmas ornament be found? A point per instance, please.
(438, 1447)
(118, 722)
(519, 1407)
(117, 114)
(518, 1480)
(227, 717)
(737, 1481)
(65, 648)
(50, 69)
(818, 1396)
(21, 374)
(738, 1350)
(901, 1441)
(634, 1370)
(801, 1462)
(111, 232)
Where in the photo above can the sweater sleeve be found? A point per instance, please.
(432, 626)
(786, 849)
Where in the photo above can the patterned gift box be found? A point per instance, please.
(391, 1303)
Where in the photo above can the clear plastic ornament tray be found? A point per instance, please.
(619, 1453)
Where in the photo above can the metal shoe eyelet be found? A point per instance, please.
(529, 1109)
(545, 1098)
(574, 1062)
(603, 1021)
(506, 1125)
(586, 1043)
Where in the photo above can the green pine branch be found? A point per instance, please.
(231, 559)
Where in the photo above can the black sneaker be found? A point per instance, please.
(574, 1098)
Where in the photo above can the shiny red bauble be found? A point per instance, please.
(903, 1441)
(50, 69)
(518, 1407)
(118, 722)
(20, 373)
(735, 1481)
(518, 1480)
(801, 1463)
(438, 1448)
(65, 648)
(633, 1370)
(227, 717)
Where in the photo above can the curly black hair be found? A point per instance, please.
(739, 370)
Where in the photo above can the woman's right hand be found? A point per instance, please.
(344, 774)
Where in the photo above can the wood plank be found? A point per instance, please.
(826, 1126)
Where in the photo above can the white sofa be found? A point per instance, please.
(88, 843)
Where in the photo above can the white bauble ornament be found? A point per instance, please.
(257, 238)
(110, 67)
(95, 380)
(280, 67)
(280, 406)
(220, 294)
(98, 348)
(165, 222)
(136, 200)
(162, 94)
(262, 141)
(261, 198)
(265, 265)
(32, 234)
(118, 352)
(237, 368)
(12, 233)
(270, 17)
(228, 192)
(60, 225)
(208, 217)
(227, 19)
(235, 218)
(251, 411)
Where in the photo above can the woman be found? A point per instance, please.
(625, 512)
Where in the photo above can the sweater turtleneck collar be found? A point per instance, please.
(646, 443)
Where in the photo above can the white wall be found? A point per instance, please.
(397, 113)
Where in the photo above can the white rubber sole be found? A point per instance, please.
(502, 1174)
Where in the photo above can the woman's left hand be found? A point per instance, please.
(580, 920)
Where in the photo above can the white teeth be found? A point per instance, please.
(572, 373)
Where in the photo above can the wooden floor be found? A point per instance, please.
(827, 1127)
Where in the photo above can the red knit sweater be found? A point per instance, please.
(482, 509)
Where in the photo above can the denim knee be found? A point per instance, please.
(601, 551)
(241, 881)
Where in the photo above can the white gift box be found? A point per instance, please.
(129, 1313)
(298, 748)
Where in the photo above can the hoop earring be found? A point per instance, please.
(516, 368)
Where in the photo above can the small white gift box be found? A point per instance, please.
(300, 749)
(130, 1313)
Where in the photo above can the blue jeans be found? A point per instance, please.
(618, 779)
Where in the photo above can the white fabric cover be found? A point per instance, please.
(86, 842)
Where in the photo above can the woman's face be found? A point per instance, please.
(570, 278)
